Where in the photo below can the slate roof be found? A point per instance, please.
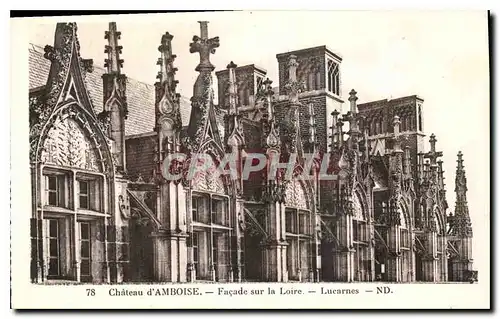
(140, 96)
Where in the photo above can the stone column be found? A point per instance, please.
(274, 250)
(344, 270)
(429, 262)
(238, 236)
(170, 257)
(443, 262)
(394, 256)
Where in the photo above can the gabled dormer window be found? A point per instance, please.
(333, 77)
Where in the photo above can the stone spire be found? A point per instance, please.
(463, 226)
(114, 95)
(168, 119)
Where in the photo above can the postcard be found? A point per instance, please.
(251, 160)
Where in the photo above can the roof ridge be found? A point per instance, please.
(97, 66)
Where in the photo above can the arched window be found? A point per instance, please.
(333, 75)
(311, 82)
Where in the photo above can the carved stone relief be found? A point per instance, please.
(295, 195)
(207, 180)
(67, 145)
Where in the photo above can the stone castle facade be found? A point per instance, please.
(103, 213)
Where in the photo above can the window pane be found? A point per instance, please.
(85, 230)
(52, 198)
(84, 201)
(53, 228)
(85, 268)
(53, 267)
(194, 209)
(53, 249)
(84, 187)
(52, 183)
(85, 249)
(289, 216)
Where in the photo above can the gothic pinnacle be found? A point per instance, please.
(167, 71)
(113, 63)
(232, 90)
(463, 225)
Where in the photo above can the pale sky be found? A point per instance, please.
(440, 56)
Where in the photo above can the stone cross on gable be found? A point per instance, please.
(204, 46)
(432, 154)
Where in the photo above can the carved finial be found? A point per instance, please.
(113, 63)
(167, 100)
(204, 46)
(396, 122)
(433, 141)
(353, 98)
(268, 91)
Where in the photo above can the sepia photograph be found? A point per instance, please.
(253, 155)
